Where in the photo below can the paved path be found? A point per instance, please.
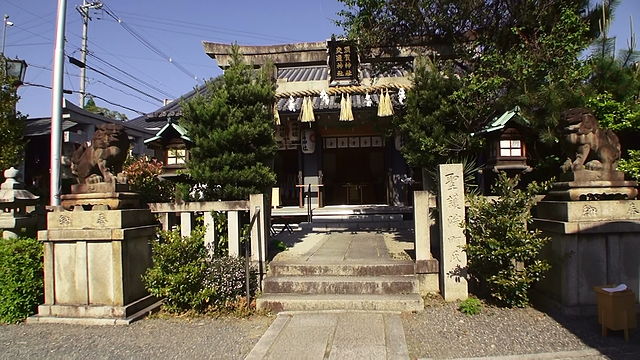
(333, 335)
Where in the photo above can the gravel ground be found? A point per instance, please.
(202, 338)
(441, 331)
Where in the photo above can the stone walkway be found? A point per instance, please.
(333, 335)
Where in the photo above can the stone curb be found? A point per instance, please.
(269, 337)
(575, 354)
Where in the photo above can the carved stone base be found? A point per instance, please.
(101, 187)
(586, 185)
(592, 243)
(112, 200)
(93, 266)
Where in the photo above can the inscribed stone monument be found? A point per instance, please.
(453, 264)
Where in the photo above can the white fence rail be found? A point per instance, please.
(182, 215)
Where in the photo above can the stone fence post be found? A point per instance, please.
(453, 260)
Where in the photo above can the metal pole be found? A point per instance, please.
(84, 11)
(247, 273)
(4, 31)
(56, 105)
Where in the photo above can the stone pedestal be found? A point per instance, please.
(93, 263)
(593, 243)
(593, 185)
(111, 195)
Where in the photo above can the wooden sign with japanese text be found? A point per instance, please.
(343, 60)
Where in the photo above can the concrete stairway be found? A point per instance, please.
(346, 272)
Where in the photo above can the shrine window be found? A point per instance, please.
(511, 148)
(176, 156)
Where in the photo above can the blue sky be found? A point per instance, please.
(175, 30)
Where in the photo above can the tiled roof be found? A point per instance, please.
(314, 73)
(157, 119)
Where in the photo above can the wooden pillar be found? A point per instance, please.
(210, 232)
(233, 224)
(185, 223)
(258, 234)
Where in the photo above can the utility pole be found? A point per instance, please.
(56, 105)
(6, 23)
(84, 12)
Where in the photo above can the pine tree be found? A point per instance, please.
(92, 107)
(11, 122)
(231, 126)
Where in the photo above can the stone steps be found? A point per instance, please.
(357, 218)
(374, 285)
(396, 267)
(315, 302)
(347, 285)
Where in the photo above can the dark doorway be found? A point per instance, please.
(286, 168)
(354, 176)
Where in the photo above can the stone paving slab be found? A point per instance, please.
(588, 354)
(333, 335)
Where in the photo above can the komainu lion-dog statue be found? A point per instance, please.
(108, 150)
(594, 148)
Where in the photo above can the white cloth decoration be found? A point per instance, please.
(367, 100)
(401, 96)
(291, 104)
(324, 97)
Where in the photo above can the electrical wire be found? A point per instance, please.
(43, 67)
(117, 80)
(147, 44)
(124, 92)
(208, 27)
(88, 94)
(132, 76)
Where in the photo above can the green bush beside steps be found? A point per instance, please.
(21, 282)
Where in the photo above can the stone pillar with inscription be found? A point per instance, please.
(97, 244)
(592, 218)
(453, 262)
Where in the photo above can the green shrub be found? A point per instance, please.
(21, 284)
(187, 278)
(631, 165)
(471, 306)
(503, 255)
(143, 177)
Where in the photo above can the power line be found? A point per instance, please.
(89, 94)
(153, 87)
(122, 91)
(50, 69)
(78, 63)
(147, 44)
(209, 27)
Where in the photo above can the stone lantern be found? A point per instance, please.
(14, 200)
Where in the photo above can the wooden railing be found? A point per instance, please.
(183, 214)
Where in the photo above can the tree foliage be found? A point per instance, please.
(11, 122)
(486, 57)
(112, 114)
(232, 129)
